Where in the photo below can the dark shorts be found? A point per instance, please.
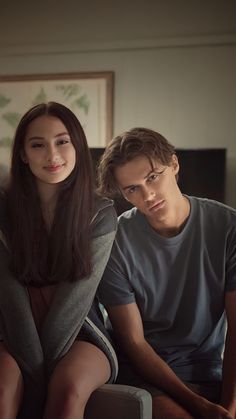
(83, 335)
(210, 390)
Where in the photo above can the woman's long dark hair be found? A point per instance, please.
(63, 254)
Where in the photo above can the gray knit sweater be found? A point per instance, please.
(70, 310)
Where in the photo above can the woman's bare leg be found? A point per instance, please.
(11, 385)
(83, 369)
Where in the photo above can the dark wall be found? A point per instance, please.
(202, 173)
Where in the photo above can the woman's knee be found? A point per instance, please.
(70, 392)
(83, 369)
(69, 396)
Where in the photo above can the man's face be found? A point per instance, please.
(153, 190)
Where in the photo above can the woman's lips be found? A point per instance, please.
(53, 168)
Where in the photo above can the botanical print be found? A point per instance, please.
(87, 98)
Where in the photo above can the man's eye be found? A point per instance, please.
(153, 177)
(132, 189)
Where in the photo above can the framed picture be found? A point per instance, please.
(88, 95)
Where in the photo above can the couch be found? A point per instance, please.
(115, 401)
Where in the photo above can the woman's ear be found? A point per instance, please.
(175, 164)
(23, 157)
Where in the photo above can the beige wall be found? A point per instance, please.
(183, 87)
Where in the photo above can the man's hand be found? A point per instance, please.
(208, 410)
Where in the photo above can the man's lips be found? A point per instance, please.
(156, 205)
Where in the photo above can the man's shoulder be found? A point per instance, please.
(213, 208)
(129, 218)
(132, 228)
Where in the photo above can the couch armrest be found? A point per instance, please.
(116, 401)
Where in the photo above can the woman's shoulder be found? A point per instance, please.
(105, 217)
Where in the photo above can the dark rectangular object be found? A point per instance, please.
(202, 173)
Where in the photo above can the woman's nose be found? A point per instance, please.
(52, 155)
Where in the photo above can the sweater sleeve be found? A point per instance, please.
(73, 300)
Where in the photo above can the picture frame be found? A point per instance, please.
(88, 94)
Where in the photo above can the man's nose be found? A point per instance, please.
(148, 194)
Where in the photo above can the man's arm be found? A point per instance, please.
(127, 324)
(228, 397)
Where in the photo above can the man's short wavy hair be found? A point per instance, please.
(124, 148)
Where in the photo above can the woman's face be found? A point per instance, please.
(48, 150)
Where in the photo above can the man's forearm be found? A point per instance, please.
(157, 372)
(228, 395)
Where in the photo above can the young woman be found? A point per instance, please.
(56, 237)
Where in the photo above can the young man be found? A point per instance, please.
(169, 283)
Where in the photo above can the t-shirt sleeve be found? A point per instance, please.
(115, 287)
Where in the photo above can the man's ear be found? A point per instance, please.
(175, 164)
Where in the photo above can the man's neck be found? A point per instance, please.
(176, 220)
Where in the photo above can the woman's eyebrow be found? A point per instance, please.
(37, 137)
(62, 133)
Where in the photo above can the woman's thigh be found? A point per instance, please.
(84, 364)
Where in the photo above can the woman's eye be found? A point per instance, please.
(62, 142)
(36, 145)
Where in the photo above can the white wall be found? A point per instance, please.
(186, 93)
(175, 80)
